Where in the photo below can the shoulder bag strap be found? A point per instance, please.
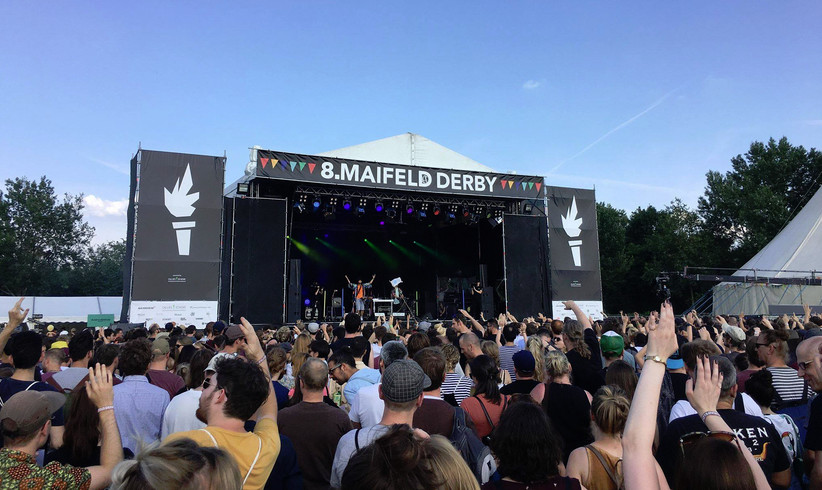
(211, 436)
(357, 439)
(53, 382)
(35, 382)
(259, 450)
(604, 464)
(487, 417)
(805, 393)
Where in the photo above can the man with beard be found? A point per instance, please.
(236, 391)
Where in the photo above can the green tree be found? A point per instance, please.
(99, 272)
(41, 237)
(748, 205)
(613, 257)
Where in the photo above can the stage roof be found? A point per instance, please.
(409, 149)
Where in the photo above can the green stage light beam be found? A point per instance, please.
(384, 256)
(308, 252)
(342, 253)
(439, 256)
(405, 251)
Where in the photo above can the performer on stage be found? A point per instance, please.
(396, 294)
(476, 298)
(359, 293)
(317, 293)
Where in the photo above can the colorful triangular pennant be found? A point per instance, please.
(518, 184)
(293, 165)
(510, 184)
(264, 161)
(504, 182)
(530, 185)
(538, 184)
(311, 167)
(284, 164)
(302, 166)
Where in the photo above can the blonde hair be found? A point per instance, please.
(446, 461)
(610, 409)
(534, 345)
(491, 349)
(300, 347)
(556, 364)
(575, 333)
(452, 356)
(181, 464)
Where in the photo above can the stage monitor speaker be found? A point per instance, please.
(294, 297)
(336, 302)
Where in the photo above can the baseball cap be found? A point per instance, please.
(50, 328)
(234, 332)
(60, 344)
(212, 364)
(313, 327)
(733, 332)
(27, 411)
(185, 340)
(612, 343)
(218, 326)
(524, 361)
(403, 380)
(160, 346)
(675, 361)
(286, 345)
(424, 326)
(64, 332)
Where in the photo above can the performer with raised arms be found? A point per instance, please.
(359, 293)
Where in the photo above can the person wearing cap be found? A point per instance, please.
(139, 405)
(401, 390)
(612, 346)
(157, 374)
(25, 420)
(237, 390)
(525, 367)
(81, 349)
(367, 407)
(734, 338)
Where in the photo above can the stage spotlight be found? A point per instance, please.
(317, 202)
(451, 218)
(465, 212)
(528, 207)
(382, 223)
(437, 211)
(299, 207)
(422, 214)
(359, 211)
(378, 206)
(346, 204)
(329, 212)
(409, 208)
(391, 213)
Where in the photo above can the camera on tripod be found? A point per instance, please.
(662, 290)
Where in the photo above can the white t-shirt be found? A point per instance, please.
(181, 415)
(367, 407)
(683, 408)
(788, 430)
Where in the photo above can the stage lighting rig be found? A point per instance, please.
(317, 202)
(346, 205)
(437, 211)
(299, 207)
(409, 208)
(378, 207)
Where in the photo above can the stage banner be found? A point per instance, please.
(176, 222)
(574, 251)
(389, 176)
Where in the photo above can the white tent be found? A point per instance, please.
(796, 252)
(64, 309)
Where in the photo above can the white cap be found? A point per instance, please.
(313, 327)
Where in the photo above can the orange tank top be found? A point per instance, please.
(598, 477)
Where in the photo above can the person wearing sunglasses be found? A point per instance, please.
(640, 469)
(809, 360)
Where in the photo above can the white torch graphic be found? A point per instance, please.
(571, 224)
(181, 205)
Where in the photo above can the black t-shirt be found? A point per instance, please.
(64, 455)
(757, 434)
(570, 412)
(678, 381)
(348, 342)
(519, 386)
(813, 439)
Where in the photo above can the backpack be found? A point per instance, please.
(2, 403)
(473, 451)
(69, 393)
(798, 410)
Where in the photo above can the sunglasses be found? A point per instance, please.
(688, 440)
(804, 365)
(206, 383)
(331, 370)
(557, 339)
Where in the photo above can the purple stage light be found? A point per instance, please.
(346, 206)
(382, 223)
(307, 302)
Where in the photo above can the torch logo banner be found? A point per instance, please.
(573, 246)
(308, 168)
(177, 212)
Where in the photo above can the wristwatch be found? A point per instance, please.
(649, 357)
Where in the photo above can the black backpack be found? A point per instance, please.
(473, 451)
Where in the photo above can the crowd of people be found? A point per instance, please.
(654, 401)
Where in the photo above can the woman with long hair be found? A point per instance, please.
(491, 349)
(568, 406)
(301, 344)
(598, 466)
(583, 353)
(487, 404)
(528, 451)
(534, 345)
(621, 374)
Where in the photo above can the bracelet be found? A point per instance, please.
(261, 360)
(649, 357)
(103, 409)
(708, 414)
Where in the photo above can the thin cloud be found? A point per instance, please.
(121, 168)
(531, 84)
(96, 206)
(614, 130)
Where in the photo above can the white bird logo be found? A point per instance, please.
(178, 201)
(571, 223)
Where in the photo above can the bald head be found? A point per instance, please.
(809, 347)
(809, 360)
(470, 345)
(314, 374)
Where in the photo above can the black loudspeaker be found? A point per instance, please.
(488, 302)
(294, 296)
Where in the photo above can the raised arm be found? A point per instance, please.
(373, 276)
(474, 322)
(639, 465)
(100, 392)
(16, 316)
(254, 353)
(348, 280)
(582, 318)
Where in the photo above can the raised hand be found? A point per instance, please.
(17, 314)
(662, 336)
(99, 386)
(704, 392)
(253, 350)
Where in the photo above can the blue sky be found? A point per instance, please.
(636, 99)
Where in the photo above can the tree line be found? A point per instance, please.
(45, 245)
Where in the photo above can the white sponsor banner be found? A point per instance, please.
(196, 313)
(591, 308)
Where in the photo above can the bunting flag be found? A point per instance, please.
(530, 185)
(518, 184)
(264, 161)
(311, 167)
(510, 184)
(293, 165)
(538, 184)
(284, 164)
(503, 183)
(302, 166)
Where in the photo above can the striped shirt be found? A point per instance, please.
(459, 386)
(788, 385)
(506, 359)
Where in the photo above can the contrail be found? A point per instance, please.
(629, 121)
